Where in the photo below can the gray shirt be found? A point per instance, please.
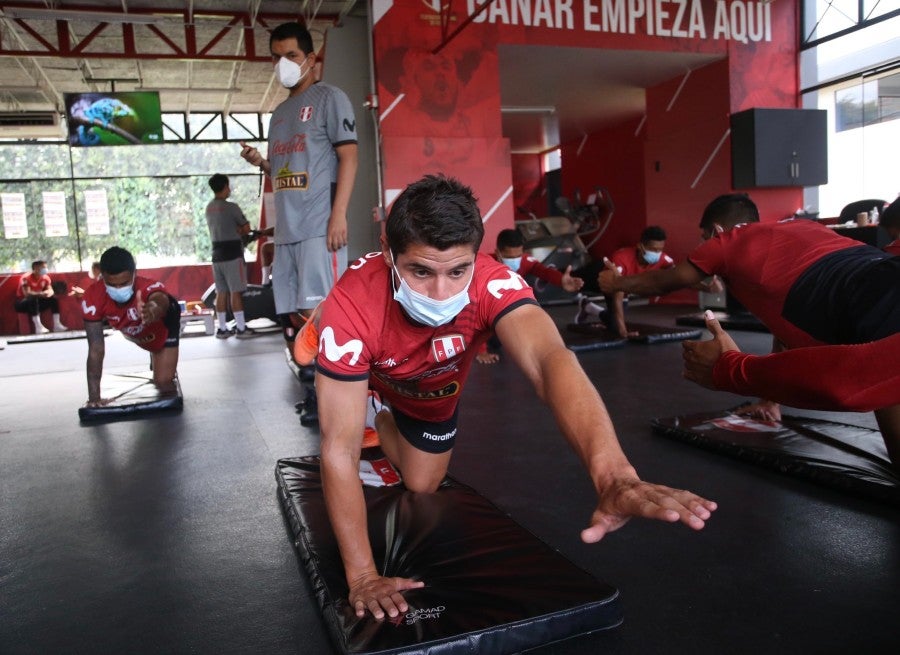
(224, 219)
(303, 133)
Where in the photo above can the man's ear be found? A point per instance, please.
(385, 251)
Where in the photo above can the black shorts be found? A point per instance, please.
(172, 321)
(850, 296)
(431, 437)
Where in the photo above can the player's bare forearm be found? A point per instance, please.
(94, 370)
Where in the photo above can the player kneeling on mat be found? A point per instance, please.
(407, 322)
(138, 307)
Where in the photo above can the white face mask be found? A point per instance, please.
(512, 262)
(428, 311)
(289, 73)
(651, 257)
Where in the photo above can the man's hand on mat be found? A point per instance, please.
(627, 497)
(766, 410)
(100, 402)
(487, 358)
(700, 357)
(380, 595)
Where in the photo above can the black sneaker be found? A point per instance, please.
(246, 333)
(223, 334)
(309, 417)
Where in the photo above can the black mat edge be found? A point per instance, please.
(786, 464)
(586, 612)
(746, 323)
(663, 334)
(137, 410)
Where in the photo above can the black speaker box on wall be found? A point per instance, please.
(779, 148)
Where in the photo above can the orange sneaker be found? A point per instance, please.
(373, 406)
(306, 343)
(370, 438)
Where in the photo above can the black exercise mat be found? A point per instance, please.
(744, 321)
(846, 457)
(583, 337)
(651, 334)
(133, 396)
(491, 586)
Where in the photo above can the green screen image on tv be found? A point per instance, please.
(114, 119)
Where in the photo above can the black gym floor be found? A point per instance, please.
(165, 535)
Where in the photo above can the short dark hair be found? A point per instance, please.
(436, 211)
(218, 182)
(293, 30)
(728, 210)
(117, 260)
(653, 233)
(37, 262)
(510, 238)
(890, 218)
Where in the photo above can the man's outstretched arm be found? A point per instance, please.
(852, 378)
(535, 345)
(650, 283)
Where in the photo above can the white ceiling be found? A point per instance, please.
(549, 95)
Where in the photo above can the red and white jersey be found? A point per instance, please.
(893, 248)
(630, 262)
(36, 284)
(97, 306)
(365, 334)
(531, 266)
(760, 263)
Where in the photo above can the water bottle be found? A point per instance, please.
(873, 216)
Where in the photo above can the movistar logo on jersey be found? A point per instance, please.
(288, 180)
(334, 352)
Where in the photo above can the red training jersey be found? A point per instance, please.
(419, 370)
(97, 306)
(631, 262)
(528, 265)
(36, 284)
(893, 248)
(760, 263)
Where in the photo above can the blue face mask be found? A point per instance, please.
(44, 271)
(120, 294)
(428, 311)
(512, 262)
(651, 257)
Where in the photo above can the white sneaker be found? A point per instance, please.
(59, 327)
(373, 406)
(40, 329)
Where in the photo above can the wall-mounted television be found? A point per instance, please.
(113, 119)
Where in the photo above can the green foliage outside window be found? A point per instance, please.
(156, 195)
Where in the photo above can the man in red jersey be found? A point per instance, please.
(809, 286)
(35, 294)
(407, 322)
(511, 251)
(138, 307)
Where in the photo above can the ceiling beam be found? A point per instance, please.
(106, 21)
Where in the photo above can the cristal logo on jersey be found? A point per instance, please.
(133, 314)
(334, 352)
(447, 347)
(88, 309)
(305, 113)
(288, 180)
